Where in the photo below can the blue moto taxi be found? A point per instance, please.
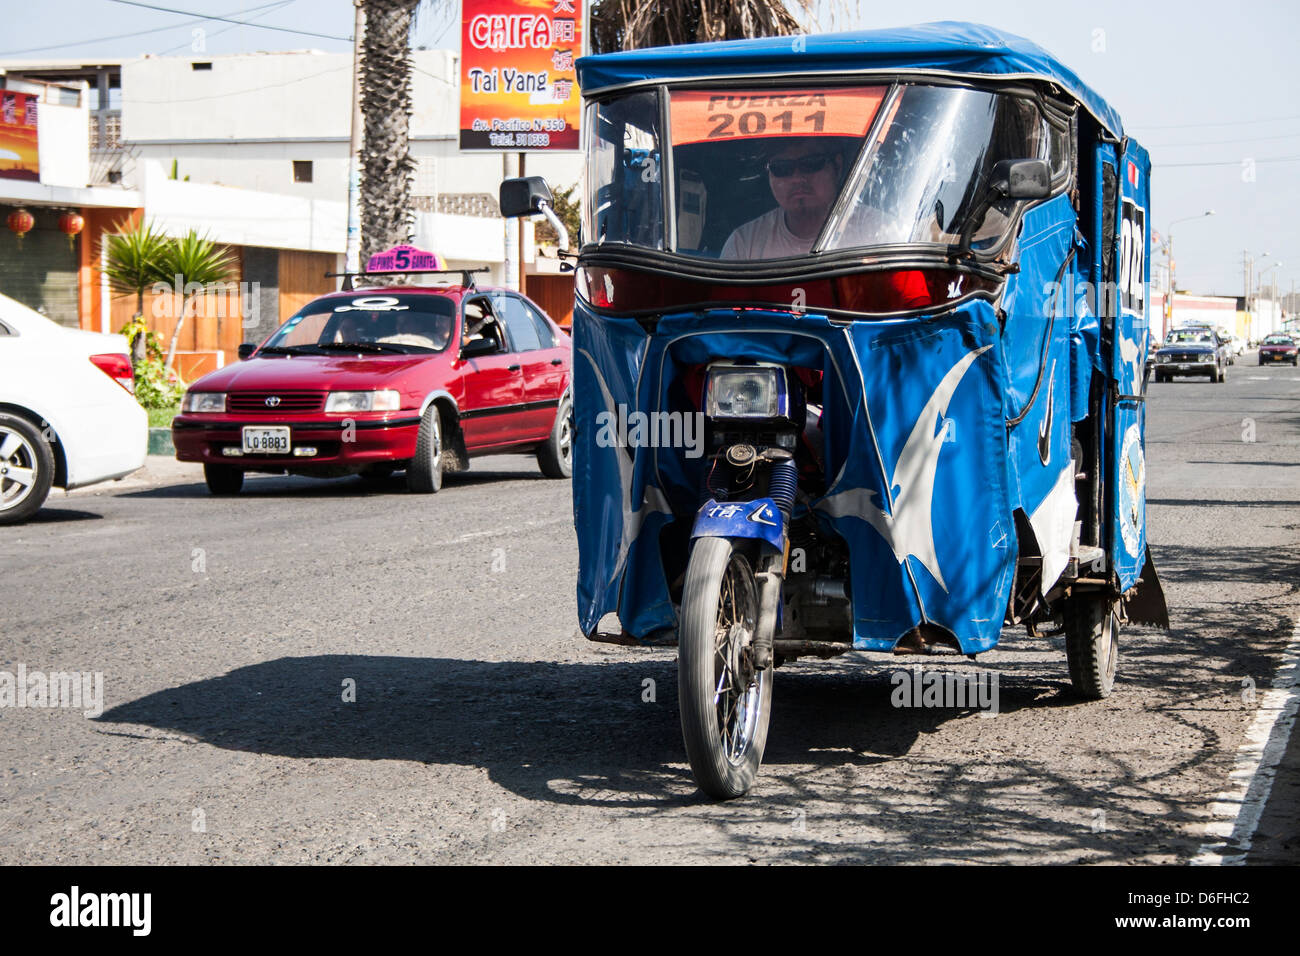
(859, 349)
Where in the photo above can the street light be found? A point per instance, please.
(1169, 250)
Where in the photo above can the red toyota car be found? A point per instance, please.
(368, 381)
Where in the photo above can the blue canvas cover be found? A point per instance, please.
(951, 47)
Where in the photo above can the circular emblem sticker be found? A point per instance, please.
(1132, 490)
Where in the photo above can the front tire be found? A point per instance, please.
(424, 473)
(26, 469)
(725, 704)
(223, 479)
(555, 458)
(1092, 645)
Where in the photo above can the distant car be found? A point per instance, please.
(1192, 351)
(1238, 345)
(68, 415)
(373, 380)
(1279, 348)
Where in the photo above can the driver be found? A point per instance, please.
(804, 175)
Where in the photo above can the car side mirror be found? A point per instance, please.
(1022, 178)
(523, 196)
(477, 348)
(246, 349)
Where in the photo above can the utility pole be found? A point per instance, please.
(352, 253)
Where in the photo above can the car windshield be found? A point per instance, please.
(371, 323)
(1188, 337)
(772, 173)
(1278, 340)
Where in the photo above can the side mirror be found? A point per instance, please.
(1023, 178)
(523, 196)
(477, 348)
(246, 349)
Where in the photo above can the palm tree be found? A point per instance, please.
(133, 263)
(194, 263)
(386, 163)
(634, 24)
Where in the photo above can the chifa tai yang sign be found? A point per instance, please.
(518, 88)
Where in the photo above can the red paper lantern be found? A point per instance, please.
(70, 224)
(21, 222)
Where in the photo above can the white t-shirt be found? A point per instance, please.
(766, 237)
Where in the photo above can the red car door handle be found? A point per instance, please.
(557, 361)
(512, 368)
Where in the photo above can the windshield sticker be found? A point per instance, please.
(373, 303)
(700, 116)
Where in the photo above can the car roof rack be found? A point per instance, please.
(466, 275)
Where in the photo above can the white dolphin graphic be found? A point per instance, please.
(908, 527)
(1128, 351)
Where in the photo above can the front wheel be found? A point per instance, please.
(424, 473)
(223, 480)
(1092, 645)
(555, 458)
(725, 701)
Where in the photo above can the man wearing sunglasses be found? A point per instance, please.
(804, 175)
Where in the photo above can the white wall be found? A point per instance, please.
(63, 142)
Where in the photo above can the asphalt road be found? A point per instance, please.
(484, 729)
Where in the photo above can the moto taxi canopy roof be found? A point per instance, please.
(950, 48)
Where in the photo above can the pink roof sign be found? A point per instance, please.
(405, 259)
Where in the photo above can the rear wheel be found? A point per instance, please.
(1092, 644)
(223, 479)
(424, 473)
(26, 469)
(725, 702)
(555, 458)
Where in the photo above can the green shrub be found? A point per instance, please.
(155, 387)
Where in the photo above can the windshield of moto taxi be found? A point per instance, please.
(766, 174)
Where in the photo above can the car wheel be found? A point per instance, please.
(556, 456)
(26, 469)
(424, 473)
(223, 479)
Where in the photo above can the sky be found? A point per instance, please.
(1209, 88)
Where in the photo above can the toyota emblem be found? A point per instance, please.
(272, 401)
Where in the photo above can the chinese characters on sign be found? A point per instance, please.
(518, 88)
(19, 157)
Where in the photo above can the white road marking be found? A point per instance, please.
(1236, 812)
(498, 532)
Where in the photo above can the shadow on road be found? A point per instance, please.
(295, 486)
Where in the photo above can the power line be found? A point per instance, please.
(1275, 119)
(270, 9)
(1221, 142)
(1234, 162)
(124, 36)
(244, 23)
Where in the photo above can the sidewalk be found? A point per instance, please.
(157, 470)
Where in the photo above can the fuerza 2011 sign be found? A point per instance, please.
(518, 87)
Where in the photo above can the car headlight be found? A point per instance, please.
(204, 402)
(1206, 357)
(1162, 358)
(384, 400)
(742, 392)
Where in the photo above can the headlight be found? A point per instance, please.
(1206, 357)
(386, 400)
(204, 402)
(739, 392)
(1162, 358)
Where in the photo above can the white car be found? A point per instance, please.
(68, 415)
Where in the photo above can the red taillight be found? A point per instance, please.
(117, 367)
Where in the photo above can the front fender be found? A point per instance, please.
(759, 518)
